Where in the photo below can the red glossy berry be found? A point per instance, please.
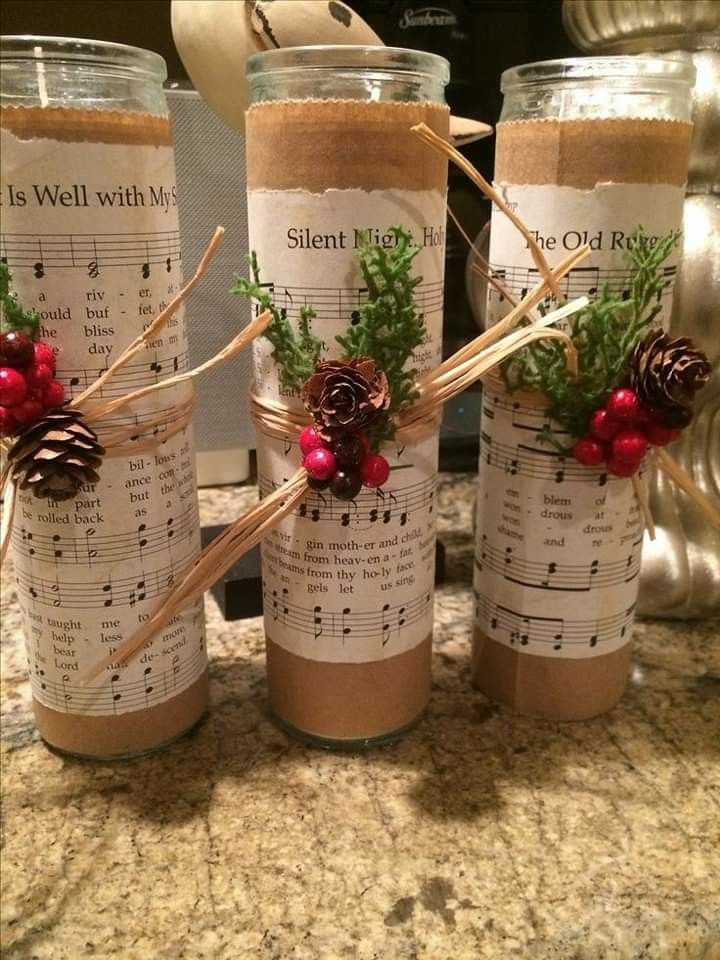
(374, 470)
(39, 375)
(310, 439)
(349, 450)
(53, 395)
(13, 387)
(623, 404)
(603, 426)
(659, 435)
(346, 484)
(8, 426)
(629, 446)
(621, 469)
(320, 463)
(16, 349)
(44, 354)
(28, 411)
(589, 452)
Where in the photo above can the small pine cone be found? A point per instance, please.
(56, 455)
(345, 395)
(666, 373)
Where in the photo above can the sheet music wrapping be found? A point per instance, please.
(91, 239)
(557, 556)
(347, 582)
(562, 219)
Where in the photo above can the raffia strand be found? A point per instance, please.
(220, 555)
(440, 145)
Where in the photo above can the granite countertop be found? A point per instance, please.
(481, 835)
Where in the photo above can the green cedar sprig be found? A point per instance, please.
(13, 316)
(390, 327)
(296, 354)
(605, 334)
(388, 330)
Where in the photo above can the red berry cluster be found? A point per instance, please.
(343, 466)
(620, 433)
(27, 385)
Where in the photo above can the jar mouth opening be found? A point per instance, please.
(28, 48)
(348, 57)
(602, 69)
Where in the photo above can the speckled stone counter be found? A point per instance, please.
(481, 835)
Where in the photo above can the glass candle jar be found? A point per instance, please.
(587, 151)
(90, 236)
(348, 586)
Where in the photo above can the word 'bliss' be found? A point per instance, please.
(302, 238)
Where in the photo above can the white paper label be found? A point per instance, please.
(558, 545)
(91, 238)
(347, 582)
(563, 219)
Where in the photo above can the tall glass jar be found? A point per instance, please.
(348, 586)
(587, 151)
(90, 236)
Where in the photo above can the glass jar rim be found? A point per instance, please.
(55, 50)
(581, 69)
(349, 57)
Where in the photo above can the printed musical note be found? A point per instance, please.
(88, 252)
(118, 691)
(346, 621)
(145, 541)
(369, 507)
(93, 268)
(39, 266)
(148, 686)
(578, 282)
(108, 591)
(542, 578)
(385, 625)
(116, 694)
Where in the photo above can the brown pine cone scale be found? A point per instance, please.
(666, 373)
(346, 395)
(56, 455)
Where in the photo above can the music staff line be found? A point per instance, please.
(522, 418)
(93, 549)
(130, 377)
(578, 281)
(378, 506)
(526, 461)
(346, 623)
(91, 251)
(551, 575)
(109, 591)
(154, 687)
(554, 631)
(338, 303)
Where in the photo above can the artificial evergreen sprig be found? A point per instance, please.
(605, 334)
(296, 354)
(390, 327)
(13, 316)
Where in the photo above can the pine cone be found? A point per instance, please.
(56, 455)
(666, 374)
(346, 395)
